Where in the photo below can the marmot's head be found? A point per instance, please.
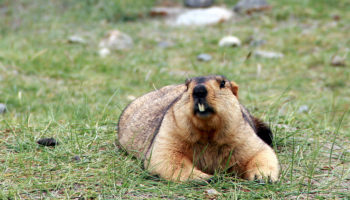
(211, 96)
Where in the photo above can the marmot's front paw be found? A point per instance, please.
(268, 173)
(263, 166)
(195, 175)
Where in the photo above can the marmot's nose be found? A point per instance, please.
(200, 91)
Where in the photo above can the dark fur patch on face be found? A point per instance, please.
(203, 79)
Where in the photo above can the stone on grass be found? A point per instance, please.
(204, 57)
(338, 61)
(3, 108)
(131, 97)
(203, 16)
(249, 6)
(303, 109)
(165, 44)
(230, 41)
(212, 192)
(257, 42)
(198, 3)
(268, 54)
(104, 52)
(76, 39)
(76, 158)
(47, 142)
(116, 40)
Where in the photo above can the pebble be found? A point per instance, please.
(3, 108)
(268, 54)
(76, 39)
(47, 142)
(198, 3)
(104, 52)
(116, 40)
(257, 43)
(204, 57)
(338, 61)
(165, 44)
(303, 108)
(212, 192)
(230, 41)
(76, 158)
(203, 16)
(249, 6)
(131, 97)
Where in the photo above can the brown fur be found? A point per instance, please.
(179, 143)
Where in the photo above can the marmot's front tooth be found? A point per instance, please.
(201, 107)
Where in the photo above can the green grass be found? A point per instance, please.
(66, 91)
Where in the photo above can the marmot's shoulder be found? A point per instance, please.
(259, 127)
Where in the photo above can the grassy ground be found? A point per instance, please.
(66, 91)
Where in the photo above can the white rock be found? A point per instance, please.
(76, 39)
(338, 61)
(116, 40)
(131, 97)
(303, 108)
(2, 108)
(203, 16)
(204, 57)
(104, 52)
(268, 54)
(230, 41)
(212, 192)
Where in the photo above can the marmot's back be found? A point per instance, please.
(141, 119)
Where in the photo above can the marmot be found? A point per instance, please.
(188, 131)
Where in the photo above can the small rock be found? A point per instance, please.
(166, 11)
(3, 108)
(104, 52)
(229, 41)
(303, 108)
(204, 57)
(212, 192)
(203, 16)
(268, 54)
(198, 3)
(116, 40)
(76, 158)
(76, 39)
(338, 61)
(249, 6)
(165, 44)
(47, 142)
(257, 43)
(131, 97)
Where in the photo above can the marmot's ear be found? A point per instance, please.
(187, 82)
(234, 88)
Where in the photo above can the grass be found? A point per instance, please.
(66, 91)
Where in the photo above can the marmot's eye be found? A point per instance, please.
(222, 84)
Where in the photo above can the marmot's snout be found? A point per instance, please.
(200, 91)
(201, 107)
